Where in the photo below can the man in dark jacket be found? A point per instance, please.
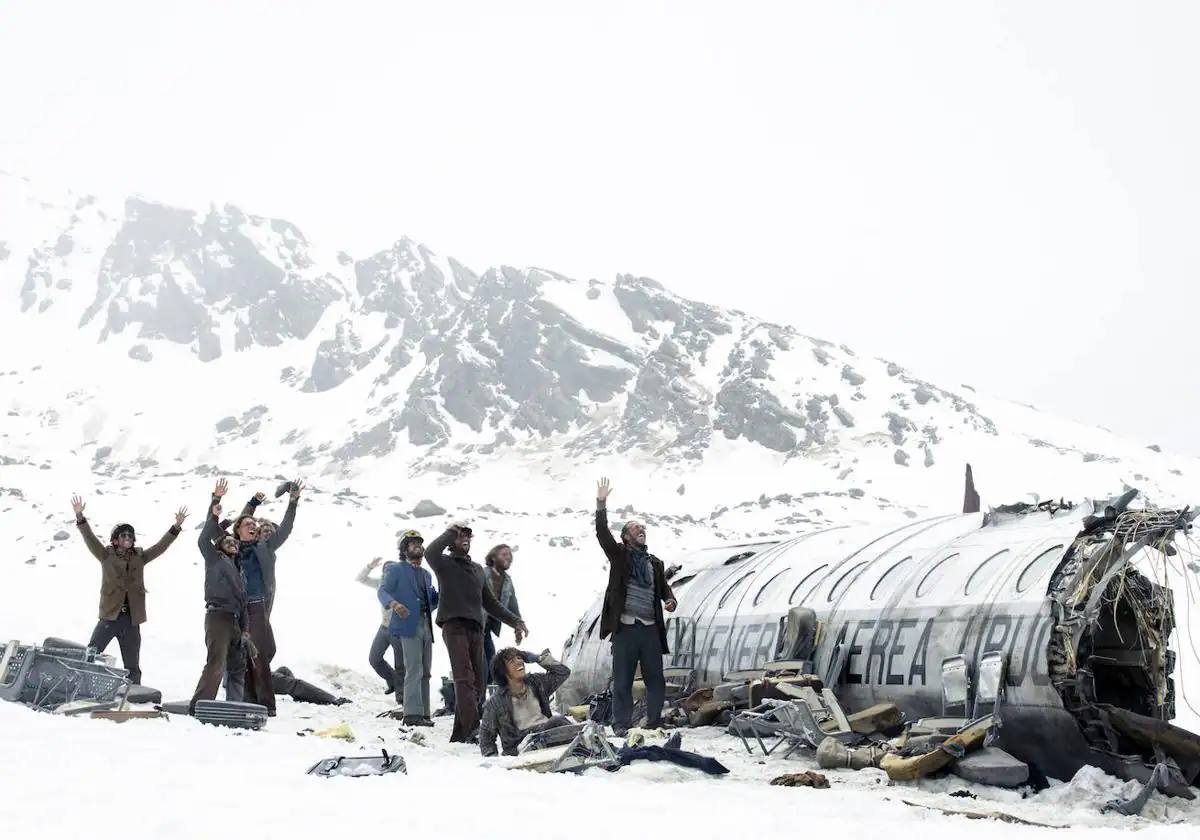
(632, 614)
(225, 618)
(122, 585)
(521, 705)
(269, 538)
(464, 596)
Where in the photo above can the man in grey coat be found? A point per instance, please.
(497, 562)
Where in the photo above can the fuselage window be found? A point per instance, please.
(1038, 567)
(736, 586)
(984, 572)
(675, 584)
(933, 576)
(888, 580)
(845, 580)
(807, 578)
(763, 589)
(738, 558)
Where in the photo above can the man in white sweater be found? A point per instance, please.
(382, 642)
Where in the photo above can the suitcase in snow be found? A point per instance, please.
(226, 713)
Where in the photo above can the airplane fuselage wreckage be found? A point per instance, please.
(1052, 618)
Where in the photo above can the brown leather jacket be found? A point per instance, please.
(122, 572)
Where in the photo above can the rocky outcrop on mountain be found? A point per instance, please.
(454, 365)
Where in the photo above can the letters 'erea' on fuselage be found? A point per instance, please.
(1070, 600)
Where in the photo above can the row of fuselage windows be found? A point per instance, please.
(884, 586)
(890, 578)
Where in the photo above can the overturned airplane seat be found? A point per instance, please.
(46, 679)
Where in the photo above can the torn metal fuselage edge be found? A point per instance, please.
(1108, 655)
(1051, 588)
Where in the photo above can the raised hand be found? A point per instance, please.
(181, 515)
(221, 489)
(77, 505)
(603, 488)
(297, 486)
(260, 497)
(374, 562)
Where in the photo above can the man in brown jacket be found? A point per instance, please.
(634, 601)
(122, 586)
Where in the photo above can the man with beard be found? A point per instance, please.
(634, 600)
(497, 562)
(122, 585)
(464, 597)
(407, 590)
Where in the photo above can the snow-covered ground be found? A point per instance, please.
(179, 778)
(82, 412)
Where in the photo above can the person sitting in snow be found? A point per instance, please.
(634, 601)
(521, 704)
(122, 585)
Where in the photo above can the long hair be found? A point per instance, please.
(237, 524)
(490, 559)
(499, 672)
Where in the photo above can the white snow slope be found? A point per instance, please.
(65, 392)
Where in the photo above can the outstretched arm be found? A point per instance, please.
(209, 532)
(252, 506)
(285, 527)
(162, 545)
(603, 535)
(85, 530)
(435, 552)
(366, 578)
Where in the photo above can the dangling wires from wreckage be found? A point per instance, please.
(1108, 654)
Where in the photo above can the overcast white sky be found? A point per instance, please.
(1006, 195)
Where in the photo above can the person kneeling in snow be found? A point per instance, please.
(522, 703)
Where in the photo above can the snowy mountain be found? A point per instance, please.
(148, 349)
(407, 362)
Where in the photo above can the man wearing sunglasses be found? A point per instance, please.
(122, 585)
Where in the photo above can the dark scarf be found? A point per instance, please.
(639, 566)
